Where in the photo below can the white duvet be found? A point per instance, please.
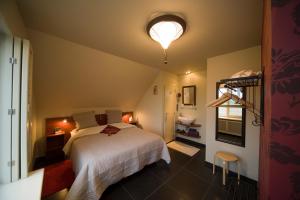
(100, 160)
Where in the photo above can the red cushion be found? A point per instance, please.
(109, 129)
(57, 177)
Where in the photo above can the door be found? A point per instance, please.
(15, 117)
(6, 73)
(25, 110)
(169, 112)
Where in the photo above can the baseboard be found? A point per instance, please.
(189, 142)
(244, 178)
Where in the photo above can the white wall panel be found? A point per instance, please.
(6, 49)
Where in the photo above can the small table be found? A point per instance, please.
(26, 188)
(227, 157)
(54, 144)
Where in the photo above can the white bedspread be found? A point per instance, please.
(100, 160)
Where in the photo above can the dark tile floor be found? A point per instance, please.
(186, 178)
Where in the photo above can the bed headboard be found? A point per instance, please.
(67, 124)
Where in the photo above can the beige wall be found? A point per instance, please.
(150, 109)
(69, 77)
(221, 67)
(198, 112)
(12, 18)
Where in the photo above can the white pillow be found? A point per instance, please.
(85, 119)
(114, 116)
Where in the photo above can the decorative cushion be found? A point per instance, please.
(109, 130)
(85, 119)
(114, 116)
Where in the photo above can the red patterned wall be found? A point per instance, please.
(284, 166)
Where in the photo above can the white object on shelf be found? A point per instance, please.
(186, 120)
(26, 188)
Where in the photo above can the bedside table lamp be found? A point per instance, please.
(127, 118)
(59, 129)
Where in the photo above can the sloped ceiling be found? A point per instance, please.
(69, 76)
(118, 27)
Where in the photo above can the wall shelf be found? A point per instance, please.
(187, 135)
(189, 131)
(188, 126)
(249, 81)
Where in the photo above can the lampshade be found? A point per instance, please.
(165, 29)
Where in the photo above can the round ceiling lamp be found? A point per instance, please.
(165, 29)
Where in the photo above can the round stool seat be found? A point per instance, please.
(229, 157)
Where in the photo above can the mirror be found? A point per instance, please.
(189, 95)
(230, 117)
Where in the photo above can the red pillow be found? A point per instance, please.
(109, 129)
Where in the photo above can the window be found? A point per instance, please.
(230, 109)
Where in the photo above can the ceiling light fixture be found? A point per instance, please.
(165, 29)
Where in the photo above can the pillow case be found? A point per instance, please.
(114, 116)
(109, 130)
(85, 119)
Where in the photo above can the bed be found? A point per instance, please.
(100, 160)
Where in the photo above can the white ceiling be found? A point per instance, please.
(118, 27)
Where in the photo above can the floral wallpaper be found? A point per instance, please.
(285, 137)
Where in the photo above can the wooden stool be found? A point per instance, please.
(226, 158)
(57, 177)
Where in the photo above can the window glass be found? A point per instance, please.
(225, 111)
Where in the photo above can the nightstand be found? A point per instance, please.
(54, 145)
(134, 123)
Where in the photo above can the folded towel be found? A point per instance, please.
(245, 73)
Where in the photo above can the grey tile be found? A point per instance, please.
(201, 169)
(163, 170)
(165, 192)
(115, 192)
(216, 193)
(188, 185)
(178, 157)
(141, 184)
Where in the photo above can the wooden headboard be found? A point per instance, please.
(67, 124)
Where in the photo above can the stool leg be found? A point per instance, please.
(224, 172)
(238, 171)
(227, 167)
(214, 164)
